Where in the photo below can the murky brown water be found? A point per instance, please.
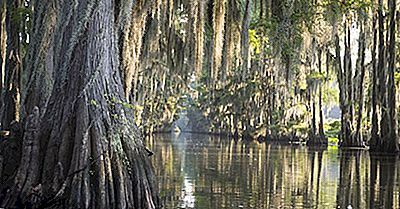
(204, 172)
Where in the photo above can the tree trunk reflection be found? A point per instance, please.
(196, 171)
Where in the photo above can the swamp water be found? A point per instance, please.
(209, 172)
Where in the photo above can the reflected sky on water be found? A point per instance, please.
(209, 172)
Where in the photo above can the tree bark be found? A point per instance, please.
(340, 76)
(11, 91)
(134, 27)
(387, 138)
(374, 126)
(358, 136)
(323, 139)
(348, 97)
(244, 38)
(199, 37)
(90, 154)
(382, 72)
(391, 140)
(38, 78)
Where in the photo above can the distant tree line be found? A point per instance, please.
(268, 68)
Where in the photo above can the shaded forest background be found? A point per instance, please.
(268, 69)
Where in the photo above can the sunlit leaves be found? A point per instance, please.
(255, 41)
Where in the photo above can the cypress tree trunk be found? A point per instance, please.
(358, 136)
(347, 111)
(38, 78)
(386, 140)
(199, 37)
(391, 141)
(374, 126)
(85, 151)
(382, 72)
(316, 134)
(323, 139)
(338, 66)
(218, 40)
(232, 34)
(13, 64)
(244, 38)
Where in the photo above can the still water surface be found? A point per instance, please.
(205, 172)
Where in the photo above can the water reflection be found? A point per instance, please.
(197, 171)
(383, 182)
(349, 189)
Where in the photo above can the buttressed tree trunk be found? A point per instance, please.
(85, 151)
(385, 139)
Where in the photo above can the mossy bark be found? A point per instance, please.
(84, 151)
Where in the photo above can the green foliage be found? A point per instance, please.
(262, 96)
(304, 13)
(301, 128)
(332, 129)
(397, 77)
(255, 41)
(349, 5)
(335, 9)
(333, 140)
(330, 95)
(316, 76)
(303, 85)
